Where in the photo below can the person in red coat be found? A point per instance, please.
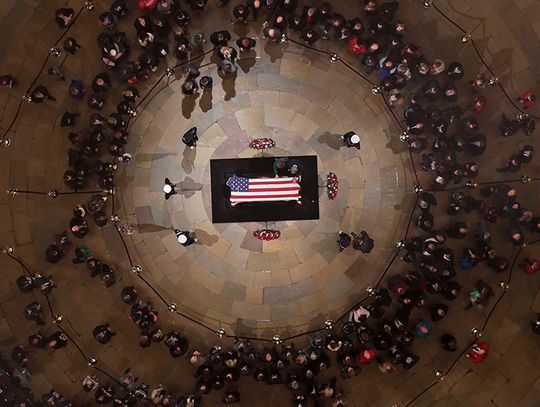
(148, 4)
(479, 104)
(357, 46)
(530, 266)
(366, 356)
(479, 352)
(527, 99)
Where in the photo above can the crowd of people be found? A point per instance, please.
(381, 330)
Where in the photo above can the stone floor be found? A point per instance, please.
(224, 280)
(300, 280)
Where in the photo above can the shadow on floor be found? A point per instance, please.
(188, 155)
(228, 83)
(188, 187)
(331, 140)
(148, 157)
(246, 63)
(188, 105)
(205, 102)
(205, 238)
(275, 51)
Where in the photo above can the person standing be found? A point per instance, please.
(245, 44)
(41, 94)
(231, 397)
(351, 139)
(185, 238)
(362, 242)
(7, 81)
(34, 312)
(56, 73)
(241, 13)
(512, 165)
(457, 230)
(255, 6)
(71, 45)
(103, 333)
(526, 154)
(64, 17)
(479, 352)
(58, 340)
(527, 99)
(535, 325)
(190, 138)
(169, 188)
(448, 343)
(68, 119)
(344, 240)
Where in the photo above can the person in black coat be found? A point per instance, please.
(71, 45)
(438, 311)
(344, 240)
(78, 227)
(103, 333)
(220, 38)
(58, 340)
(169, 188)
(512, 165)
(245, 44)
(535, 325)
(254, 6)
(310, 36)
(526, 154)
(457, 230)
(455, 71)
(64, 17)
(516, 235)
(101, 82)
(426, 200)
(7, 81)
(425, 220)
(185, 238)
(351, 139)
(41, 94)
(450, 290)
(119, 8)
(241, 13)
(448, 343)
(362, 242)
(190, 138)
(34, 312)
(25, 283)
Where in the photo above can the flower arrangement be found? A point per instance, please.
(267, 234)
(262, 143)
(332, 185)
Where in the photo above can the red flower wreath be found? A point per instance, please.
(262, 143)
(332, 185)
(267, 234)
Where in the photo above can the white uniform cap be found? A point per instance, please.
(182, 238)
(355, 139)
(167, 188)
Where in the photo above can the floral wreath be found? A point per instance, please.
(332, 185)
(262, 143)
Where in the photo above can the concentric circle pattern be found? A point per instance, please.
(229, 279)
(296, 282)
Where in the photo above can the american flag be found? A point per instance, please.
(263, 189)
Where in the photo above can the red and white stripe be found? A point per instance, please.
(269, 190)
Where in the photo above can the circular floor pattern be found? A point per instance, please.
(229, 278)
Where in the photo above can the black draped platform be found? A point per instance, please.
(223, 212)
